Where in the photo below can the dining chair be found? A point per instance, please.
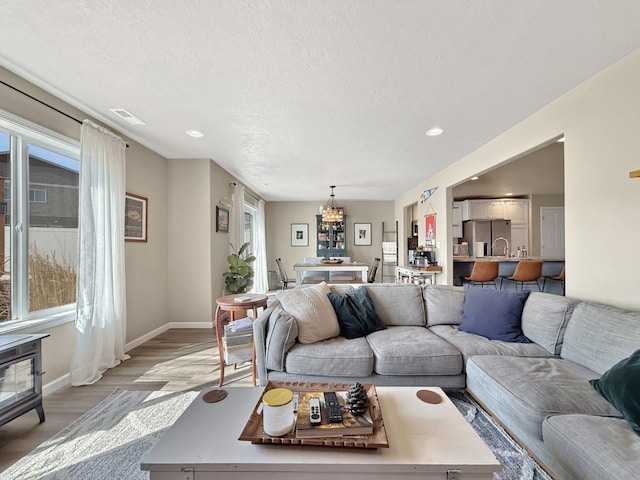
(371, 276)
(527, 271)
(283, 274)
(483, 272)
(559, 277)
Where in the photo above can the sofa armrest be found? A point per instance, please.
(260, 328)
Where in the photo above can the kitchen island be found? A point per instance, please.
(462, 266)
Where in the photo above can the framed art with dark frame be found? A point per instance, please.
(222, 220)
(361, 234)
(135, 218)
(299, 234)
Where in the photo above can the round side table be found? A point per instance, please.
(228, 303)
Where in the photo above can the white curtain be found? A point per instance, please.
(237, 220)
(101, 303)
(261, 282)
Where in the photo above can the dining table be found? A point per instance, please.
(330, 267)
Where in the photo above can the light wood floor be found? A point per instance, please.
(181, 359)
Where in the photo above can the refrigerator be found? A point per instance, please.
(486, 231)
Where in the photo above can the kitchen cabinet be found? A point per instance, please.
(474, 210)
(331, 238)
(457, 220)
(517, 211)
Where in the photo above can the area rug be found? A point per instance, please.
(516, 462)
(107, 442)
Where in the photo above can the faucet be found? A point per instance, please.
(506, 248)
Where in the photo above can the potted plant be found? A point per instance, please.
(239, 278)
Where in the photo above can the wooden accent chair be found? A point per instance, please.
(371, 276)
(559, 277)
(283, 274)
(483, 272)
(527, 271)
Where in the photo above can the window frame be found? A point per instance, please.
(23, 133)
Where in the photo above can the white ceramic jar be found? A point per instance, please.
(277, 412)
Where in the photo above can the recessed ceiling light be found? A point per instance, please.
(560, 140)
(195, 133)
(509, 194)
(435, 131)
(267, 185)
(474, 178)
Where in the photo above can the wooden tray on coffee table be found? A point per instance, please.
(254, 433)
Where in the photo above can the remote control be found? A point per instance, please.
(314, 411)
(332, 406)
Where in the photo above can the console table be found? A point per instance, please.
(20, 376)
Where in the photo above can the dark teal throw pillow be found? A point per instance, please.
(494, 314)
(356, 315)
(620, 385)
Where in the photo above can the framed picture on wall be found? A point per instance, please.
(361, 234)
(299, 234)
(222, 220)
(135, 218)
(430, 229)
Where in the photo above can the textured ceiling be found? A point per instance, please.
(303, 94)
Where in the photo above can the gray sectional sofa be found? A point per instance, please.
(539, 391)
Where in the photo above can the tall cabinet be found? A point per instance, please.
(331, 238)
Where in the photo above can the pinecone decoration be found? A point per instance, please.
(357, 400)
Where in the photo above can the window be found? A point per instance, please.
(37, 196)
(39, 170)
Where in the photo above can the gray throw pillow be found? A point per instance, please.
(281, 335)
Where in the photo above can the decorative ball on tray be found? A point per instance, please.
(357, 400)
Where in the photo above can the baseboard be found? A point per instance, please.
(65, 380)
(56, 385)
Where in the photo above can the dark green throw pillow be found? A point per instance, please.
(620, 386)
(356, 315)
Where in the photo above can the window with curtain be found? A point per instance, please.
(39, 212)
(250, 227)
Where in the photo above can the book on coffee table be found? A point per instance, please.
(350, 425)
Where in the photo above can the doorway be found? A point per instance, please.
(552, 232)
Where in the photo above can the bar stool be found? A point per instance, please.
(527, 271)
(559, 278)
(483, 272)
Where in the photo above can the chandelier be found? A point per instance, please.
(331, 213)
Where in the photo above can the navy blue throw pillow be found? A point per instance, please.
(356, 315)
(494, 314)
(620, 386)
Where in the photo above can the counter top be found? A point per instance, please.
(502, 258)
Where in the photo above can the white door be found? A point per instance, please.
(552, 231)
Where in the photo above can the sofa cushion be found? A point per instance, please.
(621, 387)
(413, 351)
(599, 336)
(522, 391)
(575, 444)
(444, 304)
(397, 304)
(356, 315)
(494, 314)
(544, 319)
(313, 312)
(471, 344)
(281, 335)
(336, 357)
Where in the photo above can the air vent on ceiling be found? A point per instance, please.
(127, 116)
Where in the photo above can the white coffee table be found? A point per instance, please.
(425, 441)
